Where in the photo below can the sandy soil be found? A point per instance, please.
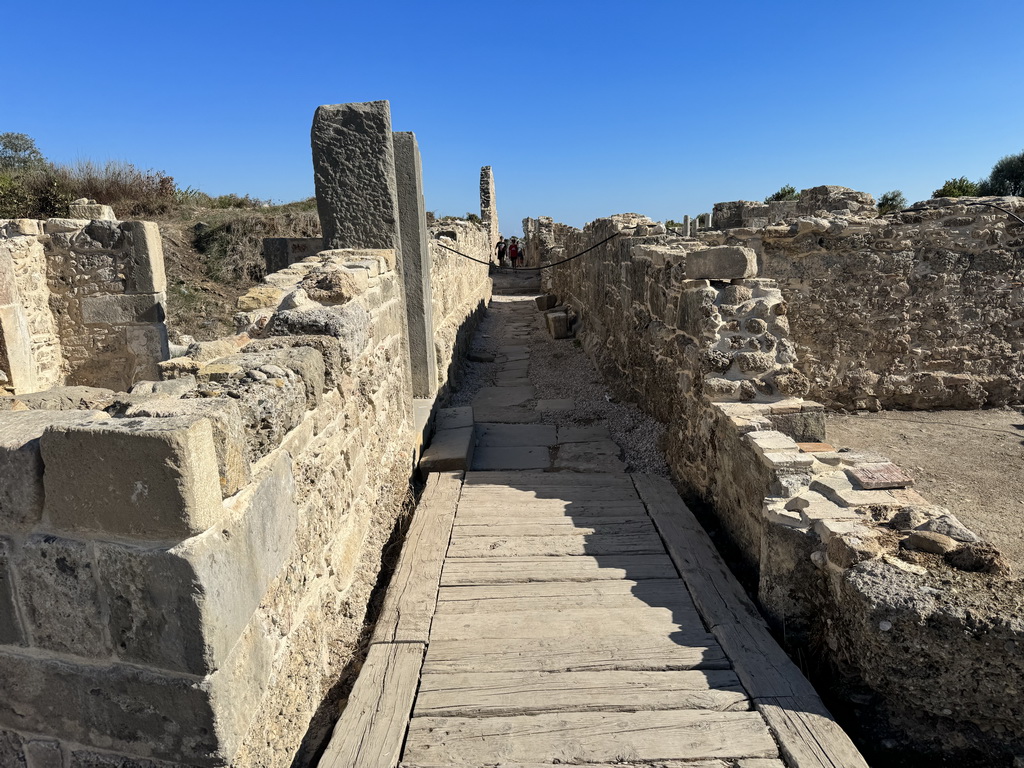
(971, 462)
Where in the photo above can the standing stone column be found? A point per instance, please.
(415, 265)
(488, 205)
(354, 172)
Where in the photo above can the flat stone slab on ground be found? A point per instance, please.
(596, 456)
(505, 378)
(512, 414)
(513, 457)
(454, 418)
(875, 476)
(510, 435)
(562, 404)
(502, 397)
(516, 365)
(449, 451)
(583, 434)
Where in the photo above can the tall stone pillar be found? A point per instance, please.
(354, 172)
(415, 264)
(357, 189)
(488, 205)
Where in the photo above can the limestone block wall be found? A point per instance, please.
(923, 644)
(83, 303)
(920, 309)
(184, 569)
(460, 290)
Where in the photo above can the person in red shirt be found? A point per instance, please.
(513, 252)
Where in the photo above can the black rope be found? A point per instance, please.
(537, 269)
(999, 208)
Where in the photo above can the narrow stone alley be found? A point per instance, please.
(558, 603)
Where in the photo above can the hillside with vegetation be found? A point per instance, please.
(212, 245)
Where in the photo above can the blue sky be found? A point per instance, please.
(583, 109)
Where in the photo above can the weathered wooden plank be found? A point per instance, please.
(589, 737)
(371, 729)
(552, 512)
(489, 694)
(409, 602)
(648, 591)
(566, 623)
(808, 735)
(617, 526)
(581, 653)
(530, 479)
(750, 763)
(531, 495)
(532, 546)
(672, 597)
(506, 570)
(763, 667)
(718, 595)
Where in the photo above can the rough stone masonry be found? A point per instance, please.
(185, 567)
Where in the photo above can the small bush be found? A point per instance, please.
(891, 201)
(787, 192)
(1007, 177)
(962, 187)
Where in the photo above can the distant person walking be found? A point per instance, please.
(513, 253)
(501, 248)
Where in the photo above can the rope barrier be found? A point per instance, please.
(546, 266)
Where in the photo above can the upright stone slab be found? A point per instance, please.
(488, 205)
(415, 265)
(354, 171)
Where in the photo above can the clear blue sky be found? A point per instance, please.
(584, 109)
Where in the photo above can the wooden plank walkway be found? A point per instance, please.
(541, 617)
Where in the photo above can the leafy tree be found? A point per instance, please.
(1007, 177)
(891, 201)
(787, 192)
(962, 187)
(18, 152)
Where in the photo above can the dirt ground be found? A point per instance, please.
(971, 462)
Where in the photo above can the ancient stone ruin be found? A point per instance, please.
(727, 336)
(189, 544)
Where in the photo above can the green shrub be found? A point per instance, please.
(891, 201)
(962, 187)
(1007, 177)
(787, 192)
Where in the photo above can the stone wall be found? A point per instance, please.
(919, 309)
(183, 582)
(460, 290)
(916, 617)
(82, 303)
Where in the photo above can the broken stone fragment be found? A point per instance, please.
(948, 525)
(846, 550)
(926, 541)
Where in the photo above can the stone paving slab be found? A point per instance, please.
(513, 457)
(597, 456)
(502, 397)
(509, 435)
(583, 434)
(512, 414)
